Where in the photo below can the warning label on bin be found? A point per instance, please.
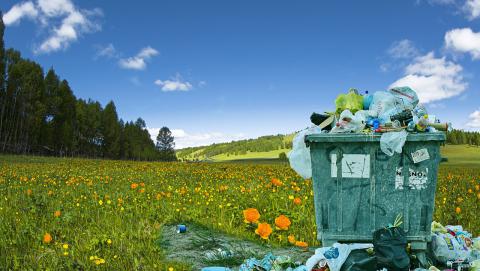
(420, 155)
(417, 179)
(352, 166)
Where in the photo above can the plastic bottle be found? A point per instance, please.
(367, 100)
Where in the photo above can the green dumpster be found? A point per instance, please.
(359, 189)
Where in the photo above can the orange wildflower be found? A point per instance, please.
(297, 201)
(142, 184)
(134, 185)
(29, 192)
(47, 238)
(458, 210)
(57, 213)
(264, 230)
(291, 239)
(251, 215)
(276, 182)
(282, 222)
(301, 244)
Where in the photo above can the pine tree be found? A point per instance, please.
(111, 132)
(166, 145)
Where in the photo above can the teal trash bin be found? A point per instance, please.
(359, 189)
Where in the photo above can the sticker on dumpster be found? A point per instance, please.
(333, 166)
(356, 166)
(417, 179)
(420, 155)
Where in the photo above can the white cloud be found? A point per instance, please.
(18, 11)
(472, 9)
(433, 78)
(403, 49)
(174, 84)
(66, 22)
(474, 119)
(138, 62)
(107, 51)
(463, 40)
(184, 139)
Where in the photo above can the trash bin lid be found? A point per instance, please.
(437, 136)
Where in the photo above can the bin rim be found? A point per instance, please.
(324, 137)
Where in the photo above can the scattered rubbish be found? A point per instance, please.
(181, 228)
(333, 256)
(452, 244)
(273, 263)
(215, 268)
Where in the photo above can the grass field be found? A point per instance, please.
(77, 214)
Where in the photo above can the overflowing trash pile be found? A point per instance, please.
(393, 114)
(452, 249)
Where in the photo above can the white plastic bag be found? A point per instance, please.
(446, 247)
(393, 142)
(349, 123)
(334, 256)
(299, 156)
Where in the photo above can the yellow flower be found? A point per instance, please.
(170, 269)
(290, 197)
(100, 202)
(109, 241)
(65, 246)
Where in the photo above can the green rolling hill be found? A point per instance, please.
(269, 148)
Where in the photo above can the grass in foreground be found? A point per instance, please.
(77, 214)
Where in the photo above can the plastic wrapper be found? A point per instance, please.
(351, 101)
(392, 142)
(349, 123)
(299, 156)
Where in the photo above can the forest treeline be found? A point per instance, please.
(39, 114)
(261, 144)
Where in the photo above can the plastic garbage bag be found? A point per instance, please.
(392, 142)
(299, 156)
(405, 94)
(390, 245)
(333, 256)
(446, 247)
(351, 101)
(360, 260)
(388, 103)
(349, 123)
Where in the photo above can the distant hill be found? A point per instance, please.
(263, 147)
(462, 148)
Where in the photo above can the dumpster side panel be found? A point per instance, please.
(358, 189)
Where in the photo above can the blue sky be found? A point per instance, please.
(221, 70)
